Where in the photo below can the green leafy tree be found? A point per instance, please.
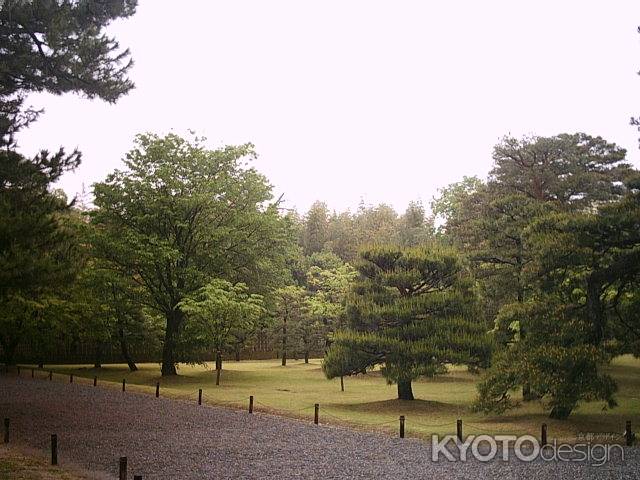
(582, 312)
(531, 177)
(180, 215)
(328, 289)
(555, 359)
(413, 312)
(290, 309)
(414, 228)
(316, 226)
(216, 310)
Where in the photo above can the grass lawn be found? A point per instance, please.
(15, 465)
(368, 402)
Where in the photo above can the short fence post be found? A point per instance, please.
(6, 430)
(54, 449)
(628, 434)
(50, 375)
(543, 436)
(157, 389)
(95, 381)
(250, 403)
(401, 426)
(459, 429)
(316, 413)
(124, 382)
(200, 396)
(123, 468)
(32, 374)
(71, 378)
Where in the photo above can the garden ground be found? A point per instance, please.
(368, 402)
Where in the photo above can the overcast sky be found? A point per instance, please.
(384, 101)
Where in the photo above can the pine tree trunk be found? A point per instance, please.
(218, 366)
(124, 348)
(237, 354)
(341, 383)
(174, 318)
(405, 391)
(306, 356)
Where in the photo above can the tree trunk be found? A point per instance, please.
(404, 390)
(560, 413)
(237, 354)
(98, 355)
(218, 366)
(306, 356)
(284, 342)
(174, 319)
(124, 348)
(528, 394)
(341, 383)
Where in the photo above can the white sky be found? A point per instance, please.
(382, 100)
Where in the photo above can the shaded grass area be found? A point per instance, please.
(15, 465)
(368, 402)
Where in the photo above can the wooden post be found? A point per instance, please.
(543, 436)
(200, 396)
(50, 375)
(628, 434)
(250, 403)
(54, 449)
(6, 430)
(459, 429)
(123, 468)
(157, 389)
(32, 374)
(316, 413)
(401, 426)
(71, 378)
(95, 381)
(124, 382)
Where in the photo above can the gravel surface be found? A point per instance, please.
(171, 439)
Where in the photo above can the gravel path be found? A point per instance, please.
(170, 439)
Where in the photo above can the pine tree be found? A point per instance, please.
(58, 46)
(412, 311)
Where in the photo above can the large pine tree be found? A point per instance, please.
(412, 312)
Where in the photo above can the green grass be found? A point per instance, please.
(15, 465)
(368, 402)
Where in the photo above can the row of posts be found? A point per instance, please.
(122, 465)
(628, 434)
